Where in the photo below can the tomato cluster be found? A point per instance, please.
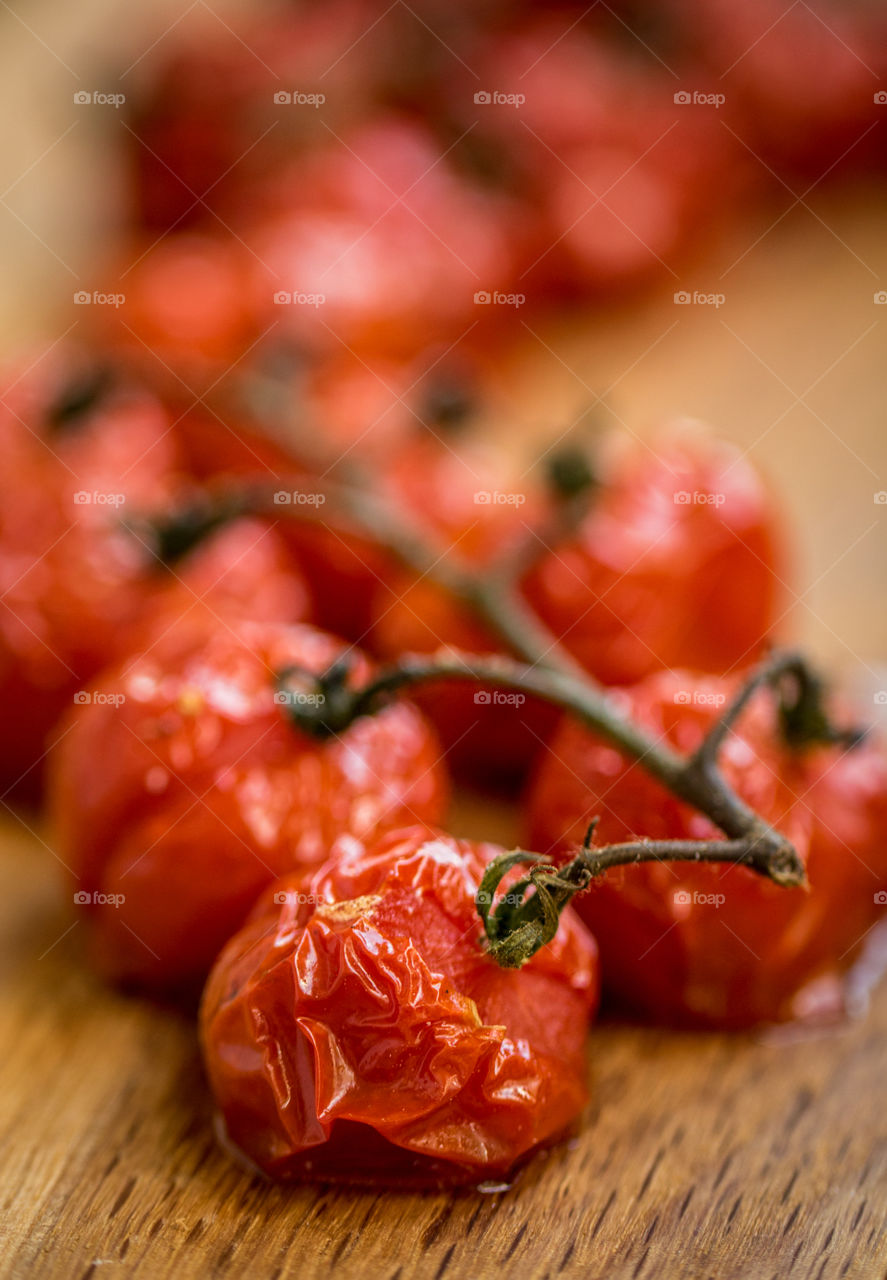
(260, 494)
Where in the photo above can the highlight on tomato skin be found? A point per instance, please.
(709, 945)
(355, 1030)
(678, 563)
(181, 787)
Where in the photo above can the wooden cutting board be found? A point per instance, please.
(700, 1156)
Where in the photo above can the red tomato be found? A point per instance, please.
(355, 1030)
(79, 453)
(676, 564)
(467, 500)
(182, 785)
(381, 246)
(710, 945)
(765, 56)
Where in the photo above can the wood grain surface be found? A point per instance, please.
(701, 1156)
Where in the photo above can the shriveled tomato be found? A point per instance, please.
(676, 564)
(183, 785)
(710, 945)
(355, 1030)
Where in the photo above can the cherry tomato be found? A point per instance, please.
(678, 563)
(354, 1030)
(460, 496)
(79, 452)
(381, 246)
(183, 786)
(717, 945)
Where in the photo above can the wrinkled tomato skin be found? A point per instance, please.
(678, 564)
(356, 1031)
(184, 786)
(754, 953)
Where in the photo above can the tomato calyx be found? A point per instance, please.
(320, 704)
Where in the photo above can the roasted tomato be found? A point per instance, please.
(79, 451)
(92, 471)
(709, 945)
(677, 564)
(469, 502)
(355, 1030)
(182, 787)
(381, 246)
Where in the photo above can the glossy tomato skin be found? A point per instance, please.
(183, 785)
(718, 946)
(678, 563)
(355, 1030)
